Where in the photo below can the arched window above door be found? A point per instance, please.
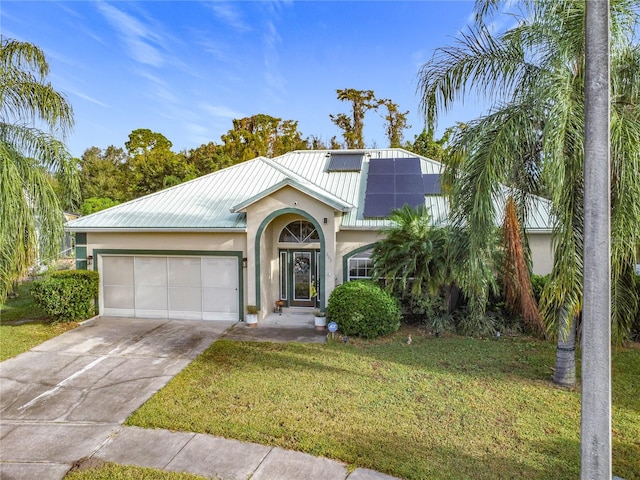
(299, 231)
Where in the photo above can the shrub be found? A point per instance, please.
(538, 282)
(427, 309)
(472, 325)
(363, 309)
(67, 295)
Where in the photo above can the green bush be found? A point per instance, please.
(538, 282)
(425, 308)
(363, 309)
(67, 295)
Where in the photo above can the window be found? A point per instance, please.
(360, 266)
(300, 231)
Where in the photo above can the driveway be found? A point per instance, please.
(62, 400)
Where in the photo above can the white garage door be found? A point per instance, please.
(170, 287)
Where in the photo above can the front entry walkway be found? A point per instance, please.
(294, 324)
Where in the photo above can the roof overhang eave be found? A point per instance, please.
(155, 230)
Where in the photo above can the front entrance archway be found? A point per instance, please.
(299, 277)
(320, 286)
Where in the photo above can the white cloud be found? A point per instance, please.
(222, 111)
(137, 37)
(87, 97)
(229, 14)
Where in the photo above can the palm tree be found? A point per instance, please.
(532, 140)
(32, 118)
(416, 256)
(412, 255)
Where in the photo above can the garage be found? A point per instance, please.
(181, 287)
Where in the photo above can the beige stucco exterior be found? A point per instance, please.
(266, 217)
(265, 220)
(203, 241)
(541, 248)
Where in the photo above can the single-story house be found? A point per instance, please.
(289, 228)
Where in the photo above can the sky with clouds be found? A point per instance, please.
(187, 68)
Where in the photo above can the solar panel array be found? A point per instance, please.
(345, 162)
(391, 184)
(431, 183)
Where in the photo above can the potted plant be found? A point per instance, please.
(320, 319)
(252, 315)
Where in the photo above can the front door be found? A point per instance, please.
(301, 286)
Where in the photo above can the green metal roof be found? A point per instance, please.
(215, 202)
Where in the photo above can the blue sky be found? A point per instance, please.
(187, 68)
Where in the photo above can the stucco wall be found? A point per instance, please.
(167, 241)
(265, 219)
(541, 253)
(348, 241)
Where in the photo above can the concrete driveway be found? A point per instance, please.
(62, 400)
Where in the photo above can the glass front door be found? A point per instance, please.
(298, 270)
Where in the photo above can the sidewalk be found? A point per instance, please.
(216, 457)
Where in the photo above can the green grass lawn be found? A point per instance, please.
(439, 408)
(112, 471)
(23, 325)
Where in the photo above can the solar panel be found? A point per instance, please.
(431, 184)
(412, 199)
(391, 184)
(378, 204)
(345, 162)
(408, 166)
(409, 184)
(381, 166)
(380, 184)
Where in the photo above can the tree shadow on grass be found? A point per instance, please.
(434, 460)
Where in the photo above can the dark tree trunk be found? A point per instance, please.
(565, 372)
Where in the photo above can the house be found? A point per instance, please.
(289, 228)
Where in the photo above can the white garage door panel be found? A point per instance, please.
(219, 272)
(118, 293)
(185, 302)
(220, 288)
(118, 271)
(174, 287)
(151, 271)
(185, 272)
(119, 301)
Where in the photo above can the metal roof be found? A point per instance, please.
(214, 202)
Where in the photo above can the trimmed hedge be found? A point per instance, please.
(363, 309)
(67, 295)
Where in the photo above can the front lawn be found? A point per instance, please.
(438, 408)
(23, 325)
(112, 471)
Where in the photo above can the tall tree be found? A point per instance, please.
(261, 135)
(534, 74)
(30, 214)
(395, 123)
(352, 125)
(103, 174)
(426, 145)
(152, 165)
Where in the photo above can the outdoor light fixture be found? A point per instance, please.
(244, 262)
(90, 260)
(325, 220)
